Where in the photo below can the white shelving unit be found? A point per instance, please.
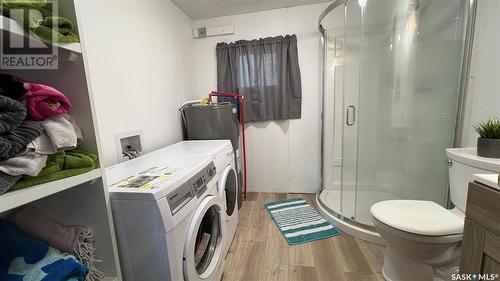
(81, 199)
(21, 197)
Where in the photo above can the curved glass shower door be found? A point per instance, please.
(398, 99)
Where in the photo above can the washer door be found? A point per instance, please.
(229, 183)
(204, 241)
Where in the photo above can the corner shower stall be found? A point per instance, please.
(392, 93)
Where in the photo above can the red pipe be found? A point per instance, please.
(242, 106)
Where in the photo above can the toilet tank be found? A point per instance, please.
(463, 163)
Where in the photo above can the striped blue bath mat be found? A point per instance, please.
(298, 222)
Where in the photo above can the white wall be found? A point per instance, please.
(140, 58)
(484, 86)
(283, 156)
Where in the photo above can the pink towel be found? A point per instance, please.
(44, 101)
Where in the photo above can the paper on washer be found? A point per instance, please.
(150, 178)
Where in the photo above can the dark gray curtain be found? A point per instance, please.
(266, 72)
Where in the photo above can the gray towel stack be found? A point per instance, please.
(15, 135)
(12, 114)
(17, 140)
(15, 132)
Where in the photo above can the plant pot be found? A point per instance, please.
(488, 147)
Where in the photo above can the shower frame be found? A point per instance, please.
(350, 225)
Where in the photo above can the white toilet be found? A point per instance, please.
(423, 238)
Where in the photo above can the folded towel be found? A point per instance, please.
(61, 165)
(77, 240)
(56, 29)
(27, 163)
(42, 145)
(16, 141)
(11, 86)
(44, 24)
(44, 101)
(23, 257)
(62, 131)
(7, 181)
(12, 114)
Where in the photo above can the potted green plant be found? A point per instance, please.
(488, 143)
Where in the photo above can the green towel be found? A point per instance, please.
(44, 25)
(64, 32)
(61, 165)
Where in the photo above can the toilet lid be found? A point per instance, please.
(419, 217)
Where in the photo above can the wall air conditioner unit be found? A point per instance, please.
(201, 32)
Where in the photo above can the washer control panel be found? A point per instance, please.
(179, 197)
(200, 181)
(195, 186)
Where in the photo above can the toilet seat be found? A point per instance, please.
(418, 217)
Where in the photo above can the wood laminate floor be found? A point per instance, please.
(260, 253)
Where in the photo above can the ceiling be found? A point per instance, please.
(203, 9)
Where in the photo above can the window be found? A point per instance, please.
(268, 75)
(266, 72)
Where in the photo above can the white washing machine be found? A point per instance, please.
(169, 219)
(221, 152)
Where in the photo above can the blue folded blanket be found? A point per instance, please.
(23, 257)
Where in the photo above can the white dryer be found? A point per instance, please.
(169, 219)
(221, 152)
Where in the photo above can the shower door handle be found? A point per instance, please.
(351, 115)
